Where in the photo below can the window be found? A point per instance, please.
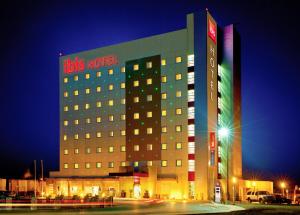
(164, 146)
(110, 87)
(136, 116)
(149, 114)
(191, 130)
(191, 78)
(163, 62)
(66, 94)
(163, 79)
(111, 102)
(110, 72)
(123, 69)
(178, 128)
(65, 137)
(99, 150)
(136, 99)
(191, 58)
(123, 148)
(98, 119)
(164, 96)
(123, 101)
(87, 106)
(178, 111)
(87, 165)
(65, 80)
(110, 164)
(99, 104)
(191, 95)
(87, 76)
(98, 74)
(149, 163)
(111, 118)
(76, 165)
(122, 85)
(76, 136)
(136, 163)
(87, 91)
(164, 163)
(149, 81)
(136, 131)
(88, 120)
(76, 92)
(136, 148)
(87, 135)
(98, 89)
(88, 150)
(178, 59)
(149, 147)
(76, 151)
(76, 78)
(149, 65)
(123, 163)
(149, 98)
(178, 76)
(191, 113)
(123, 117)
(136, 83)
(164, 129)
(66, 151)
(178, 163)
(164, 112)
(66, 166)
(110, 149)
(99, 134)
(149, 130)
(178, 145)
(123, 132)
(135, 67)
(178, 93)
(98, 165)
(76, 121)
(66, 123)
(111, 133)
(66, 108)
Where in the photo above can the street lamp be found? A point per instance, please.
(234, 181)
(283, 186)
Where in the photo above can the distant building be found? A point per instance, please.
(157, 116)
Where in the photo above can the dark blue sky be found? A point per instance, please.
(34, 32)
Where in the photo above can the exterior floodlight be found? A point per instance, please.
(223, 132)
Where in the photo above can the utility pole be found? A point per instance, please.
(42, 170)
(35, 179)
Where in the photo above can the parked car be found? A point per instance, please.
(297, 200)
(256, 196)
(268, 199)
(279, 199)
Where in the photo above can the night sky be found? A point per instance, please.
(33, 33)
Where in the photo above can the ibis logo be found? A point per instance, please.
(212, 31)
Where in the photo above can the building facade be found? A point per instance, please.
(142, 117)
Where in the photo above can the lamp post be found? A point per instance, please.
(234, 181)
(283, 186)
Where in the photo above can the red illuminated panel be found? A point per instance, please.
(212, 141)
(191, 176)
(212, 31)
(191, 156)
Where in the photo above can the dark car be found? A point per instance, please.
(297, 200)
(279, 199)
(268, 199)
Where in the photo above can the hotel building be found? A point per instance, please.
(154, 117)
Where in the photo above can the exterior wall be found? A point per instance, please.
(21, 185)
(2, 184)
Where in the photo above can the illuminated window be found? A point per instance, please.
(87, 106)
(191, 113)
(87, 165)
(149, 98)
(76, 92)
(123, 101)
(110, 149)
(163, 79)
(98, 165)
(136, 99)
(98, 119)
(123, 163)
(66, 108)
(164, 96)
(98, 74)
(178, 93)
(136, 83)
(135, 67)
(76, 165)
(110, 164)
(178, 145)
(164, 146)
(66, 123)
(123, 69)
(149, 163)
(76, 121)
(178, 76)
(98, 89)
(65, 137)
(110, 71)
(76, 151)
(76, 78)
(191, 60)
(122, 85)
(164, 129)
(99, 104)
(178, 111)
(66, 151)
(88, 150)
(87, 135)
(99, 134)
(76, 107)
(66, 166)
(178, 163)
(164, 163)
(191, 130)
(149, 130)
(110, 87)
(178, 128)
(136, 164)
(164, 112)
(191, 78)
(98, 150)
(76, 136)
(149, 147)
(111, 133)
(191, 95)
(111, 102)
(123, 148)
(66, 94)
(149, 81)
(149, 114)
(87, 76)
(163, 62)
(149, 65)
(88, 120)
(178, 59)
(136, 131)
(87, 91)
(123, 117)
(136, 116)
(111, 118)
(136, 148)
(65, 80)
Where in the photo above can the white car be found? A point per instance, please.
(256, 196)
